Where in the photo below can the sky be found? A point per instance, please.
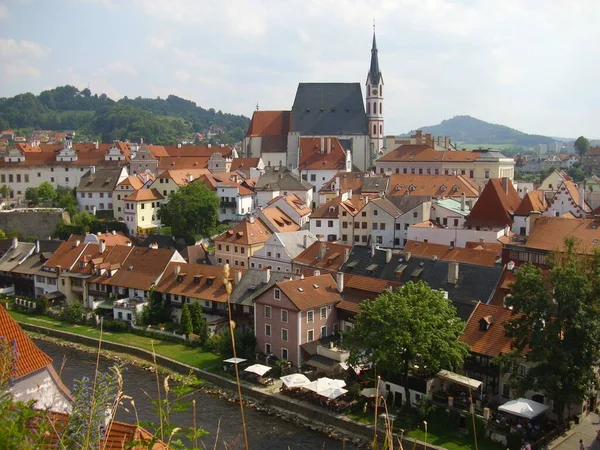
(529, 64)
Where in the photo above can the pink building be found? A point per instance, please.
(294, 312)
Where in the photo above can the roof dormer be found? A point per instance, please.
(485, 323)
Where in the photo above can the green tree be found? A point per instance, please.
(32, 196)
(157, 311)
(415, 325)
(245, 344)
(73, 313)
(199, 322)
(4, 191)
(185, 325)
(191, 212)
(582, 145)
(46, 192)
(556, 327)
(3, 234)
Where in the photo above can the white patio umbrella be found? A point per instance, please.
(235, 360)
(295, 380)
(334, 383)
(258, 369)
(523, 407)
(332, 393)
(322, 384)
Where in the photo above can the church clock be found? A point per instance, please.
(374, 91)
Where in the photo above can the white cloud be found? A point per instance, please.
(20, 59)
(182, 76)
(117, 68)
(156, 43)
(3, 10)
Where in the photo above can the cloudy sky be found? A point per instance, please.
(529, 64)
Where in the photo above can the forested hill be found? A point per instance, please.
(158, 121)
(469, 130)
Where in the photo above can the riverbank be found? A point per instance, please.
(297, 412)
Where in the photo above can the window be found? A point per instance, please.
(379, 239)
(27, 178)
(284, 315)
(323, 313)
(310, 335)
(318, 223)
(102, 196)
(268, 349)
(284, 354)
(142, 207)
(278, 255)
(324, 331)
(406, 225)
(120, 314)
(276, 294)
(3, 178)
(227, 248)
(382, 226)
(357, 225)
(364, 225)
(219, 247)
(356, 238)
(398, 227)
(330, 224)
(344, 224)
(345, 237)
(455, 222)
(269, 254)
(89, 195)
(471, 174)
(363, 238)
(284, 334)
(310, 316)
(313, 177)
(487, 173)
(522, 370)
(83, 195)
(374, 225)
(267, 329)
(364, 214)
(235, 249)
(267, 312)
(416, 214)
(242, 250)
(375, 212)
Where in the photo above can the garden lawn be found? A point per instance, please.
(192, 356)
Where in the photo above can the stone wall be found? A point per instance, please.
(37, 222)
(315, 417)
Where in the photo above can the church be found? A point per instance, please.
(323, 113)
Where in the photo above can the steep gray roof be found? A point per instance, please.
(374, 72)
(375, 184)
(407, 202)
(14, 256)
(329, 109)
(387, 206)
(281, 180)
(293, 241)
(103, 180)
(252, 285)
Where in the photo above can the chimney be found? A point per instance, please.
(76, 243)
(141, 140)
(37, 246)
(533, 217)
(252, 219)
(346, 254)
(388, 255)
(102, 245)
(92, 169)
(237, 277)
(15, 242)
(266, 275)
(322, 145)
(452, 272)
(96, 145)
(328, 146)
(154, 246)
(582, 198)
(322, 250)
(306, 240)
(177, 270)
(339, 279)
(447, 142)
(505, 182)
(372, 250)
(128, 243)
(114, 232)
(317, 273)
(419, 135)
(338, 183)
(462, 201)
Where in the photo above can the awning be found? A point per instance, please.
(235, 360)
(460, 379)
(295, 380)
(323, 363)
(53, 295)
(523, 407)
(106, 304)
(258, 369)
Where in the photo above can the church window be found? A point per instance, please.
(380, 107)
(368, 108)
(381, 130)
(374, 130)
(381, 90)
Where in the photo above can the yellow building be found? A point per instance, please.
(141, 211)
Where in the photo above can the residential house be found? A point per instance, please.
(277, 220)
(451, 212)
(184, 283)
(127, 187)
(10, 260)
(96, 187)
(292, 313)
(34, 378)
(357, 182)
(568, 199)
(141, 212)
(333, 220)
(237, 201)
(267, 137)
(479, 166)
(534, 202)
(169, 181)
(294, 207)
(236, 245)
(321, 257)
(280, 249)
(322, 158)
(278, 181)
(28, 277)
(435, 186)
(465, 283)
(217, 163)
(248, 167)
(553, 181)
(590, 161)
(523, 187)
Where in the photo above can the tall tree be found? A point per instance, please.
(556, 327)
(46, 192)
(199, 322)
(185, 324)
(415, 325)
(191, 212)
(582, 145)
(32, 196)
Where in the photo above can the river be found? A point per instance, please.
(264, 431)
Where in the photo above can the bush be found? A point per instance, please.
(73, 313)
(114, 325)
(214, 343)
(41, 305)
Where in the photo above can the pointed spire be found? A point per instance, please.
(374, 73)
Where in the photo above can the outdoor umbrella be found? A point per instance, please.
(258, 369)
(235, 360)
(332, 393)
(295, 380)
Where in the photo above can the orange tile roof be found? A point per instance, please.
(295, 202)
(495, 207)
(246, 233)
(136, 181)
(573, 192)
(182, 177)
(488, 246)
(348, 180)
(193, 281)
(141, 269)
(30, 358)
(332, 209)
(419, 153)
(493, 341)
(431, 185)
(476, 256)
(427, 224)
(182, 163)
(144, 195)
(333, 259)
(312, 158)
(549, 234)
(269, 123)
(311, 292)
(87, 155)
(350, 306)
(280, 220)
(109, 238)
(533, 201)
(67, 255)
(368, 284)
(243, 164)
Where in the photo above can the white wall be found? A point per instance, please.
(274, 159)
(45, 284)
(318, 177)
(445, 236)
(324, 227)
(41, 387)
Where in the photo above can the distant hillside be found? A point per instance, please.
(158, 121)
(468, 130)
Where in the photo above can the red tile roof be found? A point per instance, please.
(245, 233)
(431, 185)
(311, 292)
(312, 157)
(418, 153)
(269, 123)
(476, 256)
(334, 256)
(30, 358)
(295, 202)
(144, 195)
(549, 234)
(141, 269)
(243, 164)
(533, 201)
(280, 220)
(348, 180)
(496, 206)
(182, 163)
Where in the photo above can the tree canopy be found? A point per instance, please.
(556, 327)
(415, 325)
(185, 325)
(191, 212)
(582, 145)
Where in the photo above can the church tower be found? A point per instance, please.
(374, 103)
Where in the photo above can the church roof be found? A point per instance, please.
(329, 109)
(374, 72)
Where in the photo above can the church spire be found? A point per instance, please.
(374, 73)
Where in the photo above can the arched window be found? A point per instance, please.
(380, 107)
(381, 130)
(381, 90)
(374, 130)
(368, 108)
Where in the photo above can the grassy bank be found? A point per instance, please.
(192, 356)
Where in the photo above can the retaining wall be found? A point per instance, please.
(40, 223)
(309, 414)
